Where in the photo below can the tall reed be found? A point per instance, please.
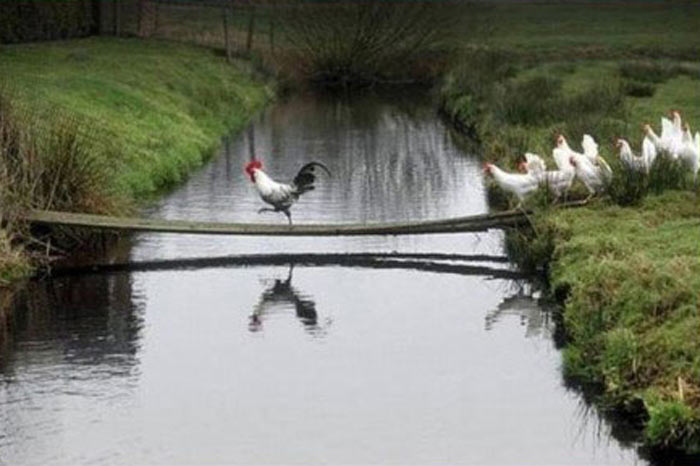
(47, 161)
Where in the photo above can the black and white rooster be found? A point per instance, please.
(281, 196)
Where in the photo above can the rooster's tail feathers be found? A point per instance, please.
(304, 181)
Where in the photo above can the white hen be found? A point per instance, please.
(557, 181)
(640, 163)
(594, 177)
(518, 184)
(590, 151)
(689, 152)
(669, 143)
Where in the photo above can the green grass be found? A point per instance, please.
(601, 29)
(632, 313)
(158, 108)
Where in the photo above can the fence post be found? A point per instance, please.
(251, 27)
(271, 21)
(224, 18)
(117, 18)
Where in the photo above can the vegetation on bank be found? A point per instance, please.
(627, 266)
(99, 124)
(632, 312)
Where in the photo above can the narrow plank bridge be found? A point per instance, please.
(473, 223)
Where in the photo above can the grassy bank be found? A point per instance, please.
(143, 114)
(627, 266)
(631, 277)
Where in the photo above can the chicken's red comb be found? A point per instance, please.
(252, 165)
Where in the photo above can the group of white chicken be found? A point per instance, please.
(675, 142)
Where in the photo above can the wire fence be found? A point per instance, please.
(237, 27)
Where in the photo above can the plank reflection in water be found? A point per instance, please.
(281, 297)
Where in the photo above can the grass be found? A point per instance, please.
(99, 125)
(632, 312)
(627, 268)
(158, 108)
(556, 31)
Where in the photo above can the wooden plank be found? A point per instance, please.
(473, 223)
(451, 225)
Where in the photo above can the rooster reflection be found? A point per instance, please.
(282, 296)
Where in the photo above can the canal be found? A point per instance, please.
(438, 351)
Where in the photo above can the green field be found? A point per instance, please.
(596, 29)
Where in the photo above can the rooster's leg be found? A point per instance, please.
(265, 209)
(289, 216)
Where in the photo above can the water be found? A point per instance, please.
(195, 356)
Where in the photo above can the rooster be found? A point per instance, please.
(281, 196)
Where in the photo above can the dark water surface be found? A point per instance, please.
(195, 357)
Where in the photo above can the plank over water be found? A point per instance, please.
(451, 225)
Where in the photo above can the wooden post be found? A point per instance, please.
(156, 17)
(227, 42)
(117, 18)
(251, 28)
(271, 21)
(96, 17)
(139, 19)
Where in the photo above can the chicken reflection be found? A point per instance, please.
(282, 297)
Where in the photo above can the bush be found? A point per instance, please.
(629, 187)
(638, 89)
(368, 42)
(647, 71)
(672, 423)
(530, 102)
